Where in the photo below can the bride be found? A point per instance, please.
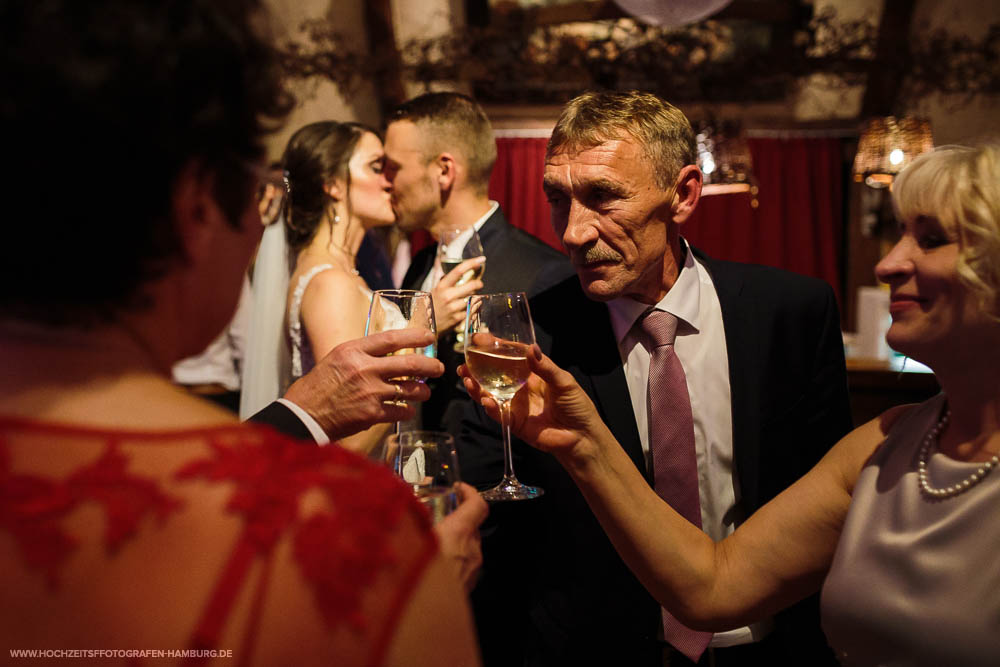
(336, 192)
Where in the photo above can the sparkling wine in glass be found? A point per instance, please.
(498, 337)
(403, 309)
(455, 245)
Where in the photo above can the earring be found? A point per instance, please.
(336, 218)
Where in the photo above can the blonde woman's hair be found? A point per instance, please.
(960, 187)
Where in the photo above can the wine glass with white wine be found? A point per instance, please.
(498, 338)
(428, 462)
(403, 309)
(455, 245)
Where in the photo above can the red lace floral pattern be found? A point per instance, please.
(340, 549)
(32, 508)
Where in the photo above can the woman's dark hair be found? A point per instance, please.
(316, 154)
(106, 101)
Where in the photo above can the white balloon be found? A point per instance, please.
(671, 13)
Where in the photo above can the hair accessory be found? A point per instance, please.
(956, 489)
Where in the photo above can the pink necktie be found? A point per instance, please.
(671, 443)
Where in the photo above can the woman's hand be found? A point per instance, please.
(458, 535)
(550, 411)
(449, 295)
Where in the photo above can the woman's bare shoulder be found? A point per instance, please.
(856, 448)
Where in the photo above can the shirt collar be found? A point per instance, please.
(459, 241)
(681, 301)
(478, 224)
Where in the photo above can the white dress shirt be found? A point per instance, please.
(222, 361)
(701, 347)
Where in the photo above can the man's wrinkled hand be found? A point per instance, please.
(353, 387)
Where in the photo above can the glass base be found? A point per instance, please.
(511, 489)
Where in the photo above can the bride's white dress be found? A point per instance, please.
(303, 358)
(266, 371)
(276, 356)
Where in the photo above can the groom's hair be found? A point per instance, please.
(455, 123)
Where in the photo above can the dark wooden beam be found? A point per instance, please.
(576, 11)
(892, 59)
(382, 45)
(766, 11)
(477, 13)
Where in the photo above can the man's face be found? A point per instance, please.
(415, 195)
(613, 220)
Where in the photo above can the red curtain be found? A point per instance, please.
(800, 216)
(517, 184)
(797, 225)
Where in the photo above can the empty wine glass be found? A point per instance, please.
(403, 309)
(455, 245)
(427, 461)
(498, 337)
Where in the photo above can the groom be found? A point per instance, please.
(440, 152)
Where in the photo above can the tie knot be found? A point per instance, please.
(660, 327)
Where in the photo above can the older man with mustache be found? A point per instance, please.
(713, 414)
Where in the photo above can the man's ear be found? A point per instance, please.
(447, 171)
(687, 194)
(196, 213)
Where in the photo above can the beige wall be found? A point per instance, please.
(953, 119)
(320, 100)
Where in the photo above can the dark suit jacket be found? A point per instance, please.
(553, 590)
(283, 420)
(515, 262)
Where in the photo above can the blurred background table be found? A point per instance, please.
(876, 385)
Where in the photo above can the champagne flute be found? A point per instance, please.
(402, 309)
(455, 245)
(498, 337)
(427, 461)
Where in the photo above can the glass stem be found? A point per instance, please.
(508, 458)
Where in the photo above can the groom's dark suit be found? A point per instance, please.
(515, 262)
(553, 590)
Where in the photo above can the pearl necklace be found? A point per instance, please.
(960, 487)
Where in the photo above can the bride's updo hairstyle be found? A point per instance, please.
(316, 155)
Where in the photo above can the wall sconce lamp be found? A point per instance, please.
(886, 146)
(724, 159)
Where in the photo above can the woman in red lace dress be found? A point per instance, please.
(137, 522)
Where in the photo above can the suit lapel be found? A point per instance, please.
(743, 352)
(420, 266)
(577, 334)
(492, 235)
(610, 391)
